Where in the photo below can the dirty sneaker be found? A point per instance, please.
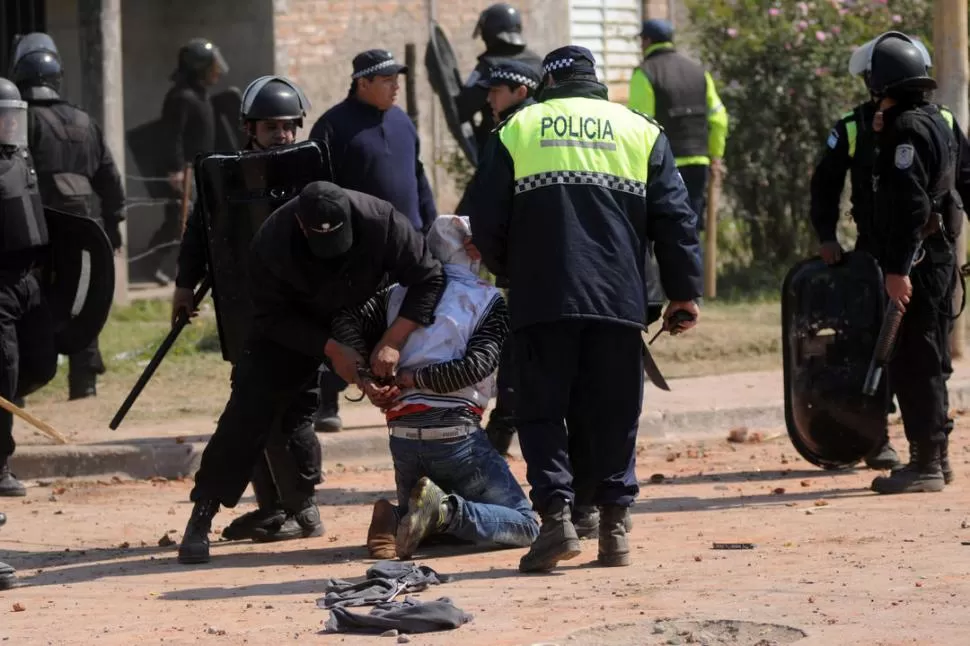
(429, 511)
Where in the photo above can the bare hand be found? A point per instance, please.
(900, 289)
(831, 252)
(676, 306)
(344, 361)
(405, 379)
(471, 249)
(183, 301)
(175, 180)
(384, 360)
(381, 396)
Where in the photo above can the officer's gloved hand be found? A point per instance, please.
(114, 235)
(831, 252)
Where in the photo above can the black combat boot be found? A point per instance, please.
(270, 515)
(557, 540)
(884, 457)
(81, 385)
(9, 485)
(614, 548)
(195, 543)
(922, 474)
(586, 520)
(303, 521)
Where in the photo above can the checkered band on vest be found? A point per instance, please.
(560, 64)
(374, 68)
(515, 78)
(581, 177)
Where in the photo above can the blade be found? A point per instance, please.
(652, 371)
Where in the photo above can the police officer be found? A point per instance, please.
(189, 123)
(593, 184)
(914, 184)
(28, 358)
(8, 576)
(500, 26)
(683, 98)
(850, 148)
(323, 251)
(73, 164)
(272, 111)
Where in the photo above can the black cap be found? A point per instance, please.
(376, 62)
(897, 65)
(657, 30)
(513, 72)
(571, 60)
(324, 212)
(501, 22)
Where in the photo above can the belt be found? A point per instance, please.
(432, 434)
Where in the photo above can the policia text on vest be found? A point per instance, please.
(592, 128)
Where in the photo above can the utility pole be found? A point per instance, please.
(952, 75)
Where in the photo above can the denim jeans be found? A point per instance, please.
(490, 506)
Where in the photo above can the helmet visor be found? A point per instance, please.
(13, 123)
(35, 42)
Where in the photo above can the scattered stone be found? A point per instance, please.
(698, 558)
(212, 630)
(657, 478)
(738, 435)
(778, 491)
(806, 483)
(389, 633)
(19, 607)
(964, 524)
(166, 541)
(403, 639)
(124, 545)
(821, 503)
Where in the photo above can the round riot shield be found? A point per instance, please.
(831, 317)
(446, 82)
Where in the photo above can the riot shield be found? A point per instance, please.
(238, 192)
(79, 279)
(830, 321)
(226, 106)
(446, 82)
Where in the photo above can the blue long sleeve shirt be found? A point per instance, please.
(378, 152)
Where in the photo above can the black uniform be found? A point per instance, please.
(295, 296)
(914, 177)
(74, 165)
(474, 95)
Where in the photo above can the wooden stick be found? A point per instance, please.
(186, 195)
(710, 236)
(41, 426)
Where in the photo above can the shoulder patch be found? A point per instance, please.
(905, 153)
(646, 116)
(833, 139)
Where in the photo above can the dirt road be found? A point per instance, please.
(832, 563)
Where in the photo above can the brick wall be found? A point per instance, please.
(316, 40)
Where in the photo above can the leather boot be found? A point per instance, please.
(884, 457)
(8, 577)
(557, 540)
(922, 474)
(195, 543)
(302, 521)
(614, 548)
(586, 520)
(9, 485)
(270, 515)
(382, 533)
(81, 385)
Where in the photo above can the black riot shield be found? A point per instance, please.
(79, 279)
(830, 321)
(229, 135)
(446, 82)
(238, 192)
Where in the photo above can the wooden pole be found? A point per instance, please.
(951, 71)
(40, 425)
(710, 235)
(186, 197)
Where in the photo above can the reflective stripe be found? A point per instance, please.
(587, 178)
(692, 161)
(580, 141)
(852, 131)
(947, 116)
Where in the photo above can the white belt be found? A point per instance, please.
(442, 433)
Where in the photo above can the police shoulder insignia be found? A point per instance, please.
(833, 139)
(904, 156)
(647, 117)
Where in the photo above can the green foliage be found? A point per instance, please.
(782, 72)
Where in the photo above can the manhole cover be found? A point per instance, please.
(701, 633)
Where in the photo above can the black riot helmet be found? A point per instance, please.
(274, 97)
(36, 66)
(13, 116)
(897, 65)
(500, 22)
(197, 56)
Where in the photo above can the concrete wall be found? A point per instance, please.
(317, 39)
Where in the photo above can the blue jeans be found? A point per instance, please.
(490, 506)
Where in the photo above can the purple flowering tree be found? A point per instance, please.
(782, 71)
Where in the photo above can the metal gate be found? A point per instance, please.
(18, 17)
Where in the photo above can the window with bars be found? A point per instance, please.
(609, 29)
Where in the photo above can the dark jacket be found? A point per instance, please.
(578, 249)
(74, 163)
(851, 148)
(378, 153)
(189, 123)
(473, 97)
(295, 295)
(915, 171)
